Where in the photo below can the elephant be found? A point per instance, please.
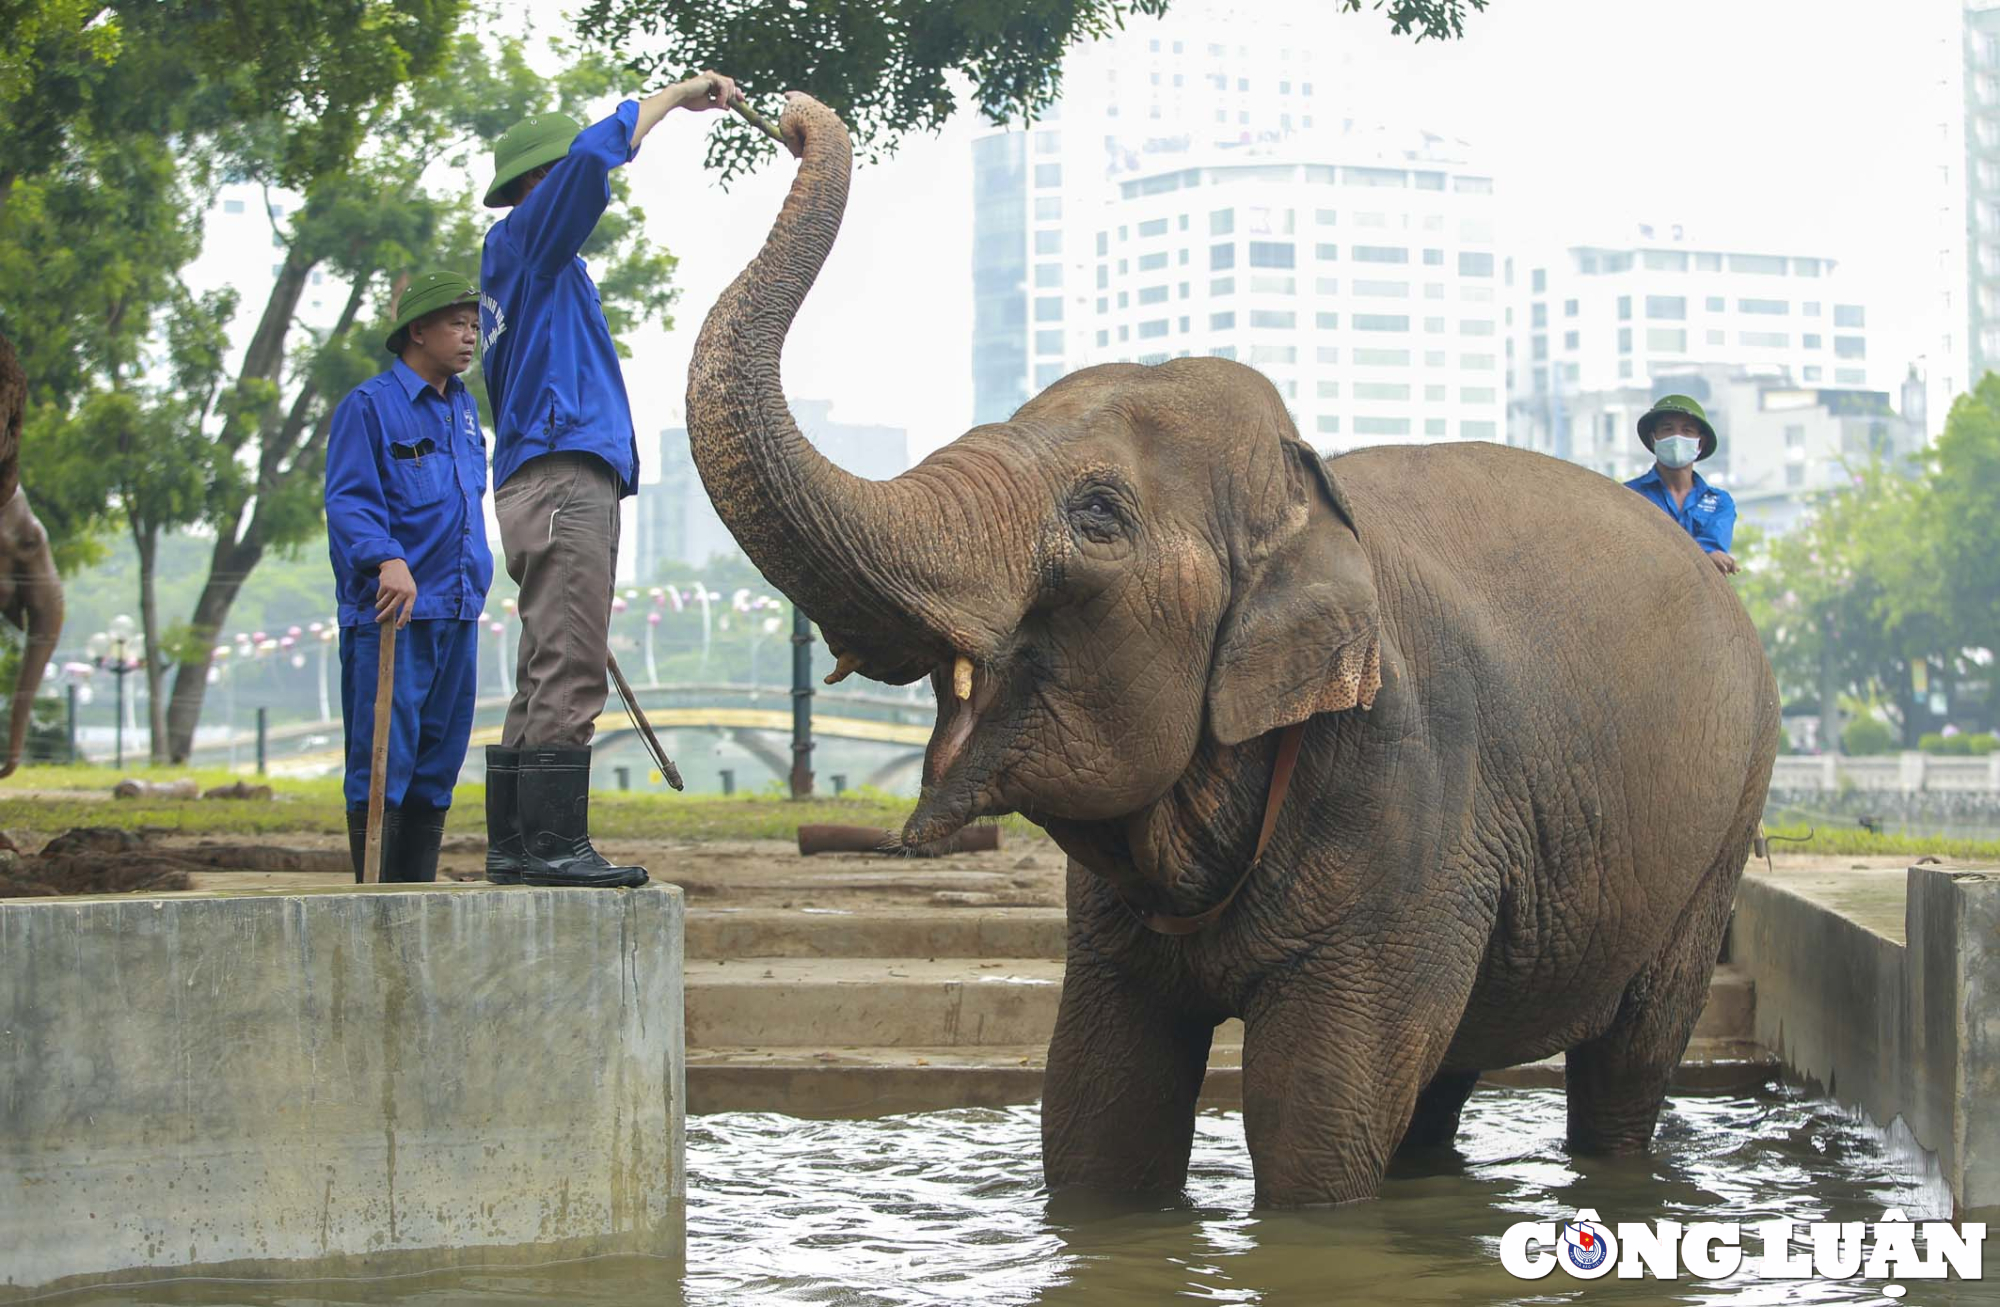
(31, 594)
(1422, 761)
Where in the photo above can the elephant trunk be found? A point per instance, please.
(880, 565)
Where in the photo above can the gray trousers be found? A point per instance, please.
(559, 530)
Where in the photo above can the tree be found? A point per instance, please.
(1963, 514)
(373, 217)
(885, 65)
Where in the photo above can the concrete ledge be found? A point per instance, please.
(340, 1081)
(1904, 1028)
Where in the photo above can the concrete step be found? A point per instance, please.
(946, 1001)
(906, 933)
(1731, 1011)
(812, 1081)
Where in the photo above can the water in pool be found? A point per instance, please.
(946, 1207)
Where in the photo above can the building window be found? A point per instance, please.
(1475, 429)
(1103, 336)
(1477, 363)
(1326, 251)
(1221, 222)
(1769, 265)
(1371, 426)
(1435, 394)
(1716, 304)
(232, 206)
(1433, 426)
(1539, 316)
(1810, 340)
(1047, 374)
(1539, 280)
(1326, 321)
(1850, 376)
(1274, 319)
(1329, 353)
(1184, 290)
(1222, 286)
(1715, 336)
(1048, 208)
(1183, 258)
(1434, 258)
(1667, 340)
(1381, 322)
(1048, 175)
(1624, 308)
(1387, 290)
(1479, 327)
(1270, 283)
(1811, 372)
(1764, 306)
(1378, 254)
(1152, 227)
(1271, 254)
(1382, 358)
(1708, 263)
(1624, 340)
(1221, 256)
(1222, 321)
(1624, 369)
(1326, 285)
(1152, 294)
(1325, 217)
(1049, 242)
(1048, 308)
(1150, 329)
(1048, 275)
(1153, 262)
(1850, 347)
(1569, 306)
(1849, 315)
(1672, 308)
(1183, 226)
(1329, 390)
(1765, 339)
(1475, 394)
(1268, 354)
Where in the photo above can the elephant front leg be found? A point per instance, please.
(1118, 1099)
(1330, 1086)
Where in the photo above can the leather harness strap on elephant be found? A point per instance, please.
(1274, 802)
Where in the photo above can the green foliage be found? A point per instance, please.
(1848, 841)
(1867, 735)
(886, 66)
(1962, 745)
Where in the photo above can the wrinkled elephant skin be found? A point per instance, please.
(31, 595)
(1539, 730)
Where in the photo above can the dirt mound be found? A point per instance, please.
(91, 873)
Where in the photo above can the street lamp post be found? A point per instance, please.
(111, 652)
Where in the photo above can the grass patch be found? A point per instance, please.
(53, 799)
(1845, 841)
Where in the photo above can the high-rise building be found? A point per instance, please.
(674, 522)
(1979, 314)
(1596, 319)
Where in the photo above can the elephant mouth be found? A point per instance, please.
(964, 756)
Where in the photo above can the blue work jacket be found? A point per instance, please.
(405, 474)
(1708, 513)
(551, 369)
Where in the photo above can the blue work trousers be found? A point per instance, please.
(430, 719)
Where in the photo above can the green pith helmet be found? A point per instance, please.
(527, 145)
(1683, 404)
(427, 294)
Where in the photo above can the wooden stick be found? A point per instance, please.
(759, 121)
(378, 759)
(668, 772)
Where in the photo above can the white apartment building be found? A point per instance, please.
(1606, 317)
(1359, 275)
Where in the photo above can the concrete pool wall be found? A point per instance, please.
(1884, 989)
(337, 1082)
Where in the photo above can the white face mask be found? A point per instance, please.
(1676, 451)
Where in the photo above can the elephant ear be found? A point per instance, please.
(1302, 632)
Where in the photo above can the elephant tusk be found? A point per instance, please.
(846, 667)
(961, 678)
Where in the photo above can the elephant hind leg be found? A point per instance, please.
(1617, 1083)
(1434, 1124)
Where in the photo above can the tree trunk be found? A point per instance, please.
(229, 565)
(146, 540)
(1829, 692)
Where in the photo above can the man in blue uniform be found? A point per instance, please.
(405, 474)
(1676, 432)
(564, 455)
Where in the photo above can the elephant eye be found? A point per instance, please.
(1095, 514)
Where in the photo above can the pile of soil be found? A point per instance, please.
(109, 860)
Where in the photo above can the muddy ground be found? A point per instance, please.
(1026, 871)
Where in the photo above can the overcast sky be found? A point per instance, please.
(1802, 126)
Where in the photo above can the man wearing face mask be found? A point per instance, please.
(1676, 432)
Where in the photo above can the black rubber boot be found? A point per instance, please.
(503, 815)
(357, 839)
(555, 823)
(417, 841)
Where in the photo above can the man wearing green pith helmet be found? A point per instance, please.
(564, 455)
(1677, 434)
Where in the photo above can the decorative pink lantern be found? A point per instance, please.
(653, 618)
